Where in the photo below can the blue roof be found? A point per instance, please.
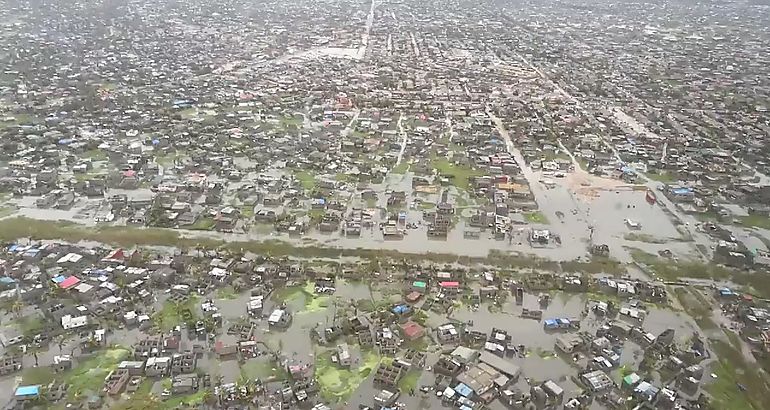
(682, 191)
(58, 279)
(6, 279)
(401, 309)
(464, 407)
(28, 390)
(463, 390)
(550, 322)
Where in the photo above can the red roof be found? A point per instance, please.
(412, 330)
(449, 284)
(129, 173)
(116, 255)
(69, 282)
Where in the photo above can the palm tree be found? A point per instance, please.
(16, 307)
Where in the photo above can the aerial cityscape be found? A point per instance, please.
(385, 204)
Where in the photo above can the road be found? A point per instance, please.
(551, 203)
(404, 139)
(689, 222)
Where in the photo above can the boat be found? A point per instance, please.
(651, 197)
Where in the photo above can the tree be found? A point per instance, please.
(16, 307)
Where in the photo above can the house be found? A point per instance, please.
(479, 379)
(279, 318)
(70, 322)
(184, 384)
(343, 355)
(569, 343)
(225, 351)
(116, 381)
(597, 381)
(448, 334)
(25, 393)
(157, 366)
(505, 367)
(412, 330)
(183, 362)
(10, 364)
(133, 367)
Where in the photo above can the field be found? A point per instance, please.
(337, 383)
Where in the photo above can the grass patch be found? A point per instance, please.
(247, 211)
(460, 175)
(536, 217)
(662, 176)
(291, 121)
(643, 237)
(226, 293)
(695, 308)
(597, 264)
(95, 155)
(408, 383)
(340, 177)
(88, 376)
(756, 221)
(312, 301)
(424, 205)
(173, 314)
(306, 180)
(264, 370)
(733, 371)
(203, 224)
(336, 384)
(401, 168)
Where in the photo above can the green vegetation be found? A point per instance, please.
(306, 180)
(695, 308)
(95, 155)
(203, 224)
(597, 264)
(460, 175)
(312, 301)
(173, 314)
(125, 236)
(88, 376)
(424, 205)
(408, 383)
(359, 134)
(536, 217)
(336, 383)
(30, 325)
(193, 400)
(291, 121)
(756, 221)
(340, 177)
(264, 370)
(401, 168)
(226, 293)
(739, 385)
(663, 176)
(666, 269)
(247, 211)
(643, 237)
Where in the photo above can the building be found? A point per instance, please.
(448, 334)
(279, 318)
(24, 393)
(597, 381)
